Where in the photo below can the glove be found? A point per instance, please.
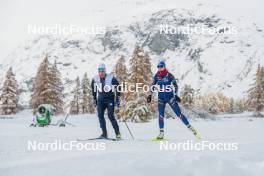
(177, 98)
(117, 102)
(149, 98)
(95, 102)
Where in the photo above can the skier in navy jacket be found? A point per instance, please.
(167, 93)
(105, 98)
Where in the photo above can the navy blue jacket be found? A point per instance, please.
(103, 95)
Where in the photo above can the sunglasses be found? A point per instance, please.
(101, 70)
(160, 66)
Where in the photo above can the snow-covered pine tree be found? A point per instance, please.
(213, 103)
(58, 88)
(140, 73)
(256, 93)
(120, 70)
(121, 74)
(45, 88)
(223, 103)
(148, 75)
(232, 105)
(240, 105)
(9, 96)
(87, 103)
(187, 96)
(76, 103)
(149, 79)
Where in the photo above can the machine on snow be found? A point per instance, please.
(44, 115)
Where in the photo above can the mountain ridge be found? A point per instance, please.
(209, 63)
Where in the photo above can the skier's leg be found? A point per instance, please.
(175, 107)
(161, 108)
(101, 106)
(111, 116)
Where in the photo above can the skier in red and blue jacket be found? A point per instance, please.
(167, 94)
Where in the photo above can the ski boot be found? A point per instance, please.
(103, 135)
(194, 132)
(118, 136)
(161, 135)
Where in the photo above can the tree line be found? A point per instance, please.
(48, 89)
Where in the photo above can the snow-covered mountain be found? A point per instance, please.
(208, 62)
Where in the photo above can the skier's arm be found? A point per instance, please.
(115, 83)
(149, 97)
(174, 83)
(94, 91)
(153, 84)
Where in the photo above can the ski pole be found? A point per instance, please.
(128, 128)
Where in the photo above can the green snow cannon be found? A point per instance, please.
(44, 114)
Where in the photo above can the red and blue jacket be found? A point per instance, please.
(166, 85)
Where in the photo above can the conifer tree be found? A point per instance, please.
(9, 96)
(240, 105)
(39, 85)
(121, 74)
(58, 88)
(140, 73)
(47, 87)
(232, 105)
(120, 70)
(187, 96)
(76, 103)
(87, 103)
(213, 103)
(256, 92)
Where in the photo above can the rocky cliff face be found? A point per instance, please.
(224, 60)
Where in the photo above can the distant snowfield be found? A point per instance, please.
(128, 157)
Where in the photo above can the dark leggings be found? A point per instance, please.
(101, 107)
(175, 107)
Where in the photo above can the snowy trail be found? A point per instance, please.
(130, 157)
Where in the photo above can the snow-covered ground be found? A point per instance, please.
(128, 157)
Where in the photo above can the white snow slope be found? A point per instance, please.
(128, 157)
(209, 63)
